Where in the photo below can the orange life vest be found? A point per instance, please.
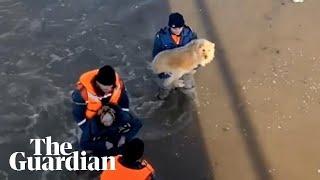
(122, 172)
(93, 101)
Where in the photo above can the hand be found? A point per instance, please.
(122, 141)
(109, 145)
(179, 83)
(193, 71)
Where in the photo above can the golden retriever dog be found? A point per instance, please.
(174, 63)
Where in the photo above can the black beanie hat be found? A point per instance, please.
(175, 20)
(106, 75)
(133, 150)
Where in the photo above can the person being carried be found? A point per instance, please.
(95, 90)
(176, 34)
(130, 165)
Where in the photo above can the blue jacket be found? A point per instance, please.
(94, 134)
(163, 40)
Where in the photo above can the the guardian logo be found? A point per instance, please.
(56, 158)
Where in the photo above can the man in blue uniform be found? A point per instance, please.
(176, 34)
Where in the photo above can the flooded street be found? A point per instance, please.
(257, 116)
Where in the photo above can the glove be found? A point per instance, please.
(109, 145)
(122, 140)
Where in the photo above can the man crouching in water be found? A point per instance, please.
(101, 110)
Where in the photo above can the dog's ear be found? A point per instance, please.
(200, 46)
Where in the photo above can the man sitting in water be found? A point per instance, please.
(107, 133)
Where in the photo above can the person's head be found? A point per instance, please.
(133, 150)
(176, 23)
(107, 116)
(106, 79)
(107, 119)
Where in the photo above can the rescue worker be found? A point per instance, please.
(96, 89)
(176, 34)
(130, 165)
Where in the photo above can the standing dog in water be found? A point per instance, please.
(171, 65)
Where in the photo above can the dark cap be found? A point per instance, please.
(133, 150)
(106, 75)
(175, 20)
